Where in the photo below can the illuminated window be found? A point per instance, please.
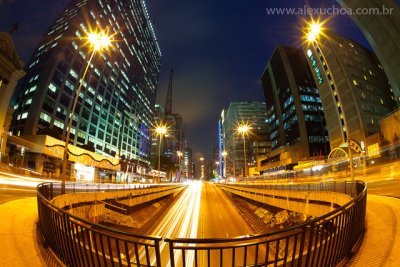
(45, 117)
(381, 100)
(52, 87)
(29, 101)
(365, 77)
(91, 90)
(24, 115)
(73, 74)
(355, 82)
(69, 85)
(59, 124)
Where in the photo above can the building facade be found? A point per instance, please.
(295, 119)
(114, 112)
(188, 167)
(10, 73)
(354, 89)
(239, 149)
(381, 27)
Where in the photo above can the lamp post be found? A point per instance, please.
(224, 154)
(217, 164)
(243, 129)
(314, 31)
(98, 42)
(160, 130)
(202, 167)
(179, 154)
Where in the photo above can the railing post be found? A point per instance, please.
(171, 253)
(158, 255)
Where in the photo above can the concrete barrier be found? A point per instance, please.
(140, 195)
(314, 203)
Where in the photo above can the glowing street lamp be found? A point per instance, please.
(160, 131)
(243, 129)
(98, 42)
(202, 167)
(314, 30)
(179, 154)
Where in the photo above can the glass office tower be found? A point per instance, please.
(295, 115)
(115, 107)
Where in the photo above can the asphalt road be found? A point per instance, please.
(13, 188)
(387, 187)
(219, 216)
(216, 217)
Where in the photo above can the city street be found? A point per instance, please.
(387, 187)
(202, 211)
(13, 187)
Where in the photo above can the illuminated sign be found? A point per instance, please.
(315, 66)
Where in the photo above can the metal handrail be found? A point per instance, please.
(311, 238)
(323, 241)
(80, 242)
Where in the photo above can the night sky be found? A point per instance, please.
(218, 50)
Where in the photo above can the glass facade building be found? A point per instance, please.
(354, 89)
(257, 142)
(114, 113)
(382, 32)
(295, 115)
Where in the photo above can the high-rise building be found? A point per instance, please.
(188, 168)
(296, 120)
(10, 72)
(381, 27)
(174, 141)
(157, 118)
(114, 111)
(255, 143)
(354, 89)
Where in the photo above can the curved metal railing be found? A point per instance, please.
(79, 242)
(324, 241)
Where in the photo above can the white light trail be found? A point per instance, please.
(181, 221)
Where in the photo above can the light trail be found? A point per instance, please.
(21, 180)
(182, 220)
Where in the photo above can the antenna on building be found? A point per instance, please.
(168, 101)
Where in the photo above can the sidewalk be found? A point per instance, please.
(19, 246)
(381, 245)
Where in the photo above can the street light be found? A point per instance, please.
(224, 154)
(202, 167)
(160, 131)
(243, 129)
(179, 154)
(314, 30)
(98, 42)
